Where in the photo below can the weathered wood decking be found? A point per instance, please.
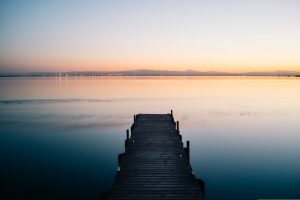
(155, 164)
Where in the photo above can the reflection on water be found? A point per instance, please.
(60, 137)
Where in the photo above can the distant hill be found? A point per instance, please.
(147, 72)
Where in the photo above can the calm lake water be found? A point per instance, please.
(60, 137)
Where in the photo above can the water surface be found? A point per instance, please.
(60, 136)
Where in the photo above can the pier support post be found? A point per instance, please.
(127, 138)
(172, 117)
(188, 149)
(201, 184)
(120, 157)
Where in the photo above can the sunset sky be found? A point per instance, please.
(208, 35)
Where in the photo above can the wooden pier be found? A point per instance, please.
(155, 165)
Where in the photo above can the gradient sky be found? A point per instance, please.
(232, 35)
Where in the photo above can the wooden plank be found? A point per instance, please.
(155, 164)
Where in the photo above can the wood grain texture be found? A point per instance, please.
(155, 164)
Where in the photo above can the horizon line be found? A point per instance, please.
(149, 72)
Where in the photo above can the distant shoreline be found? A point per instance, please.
(145, 72)
(40, 76)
